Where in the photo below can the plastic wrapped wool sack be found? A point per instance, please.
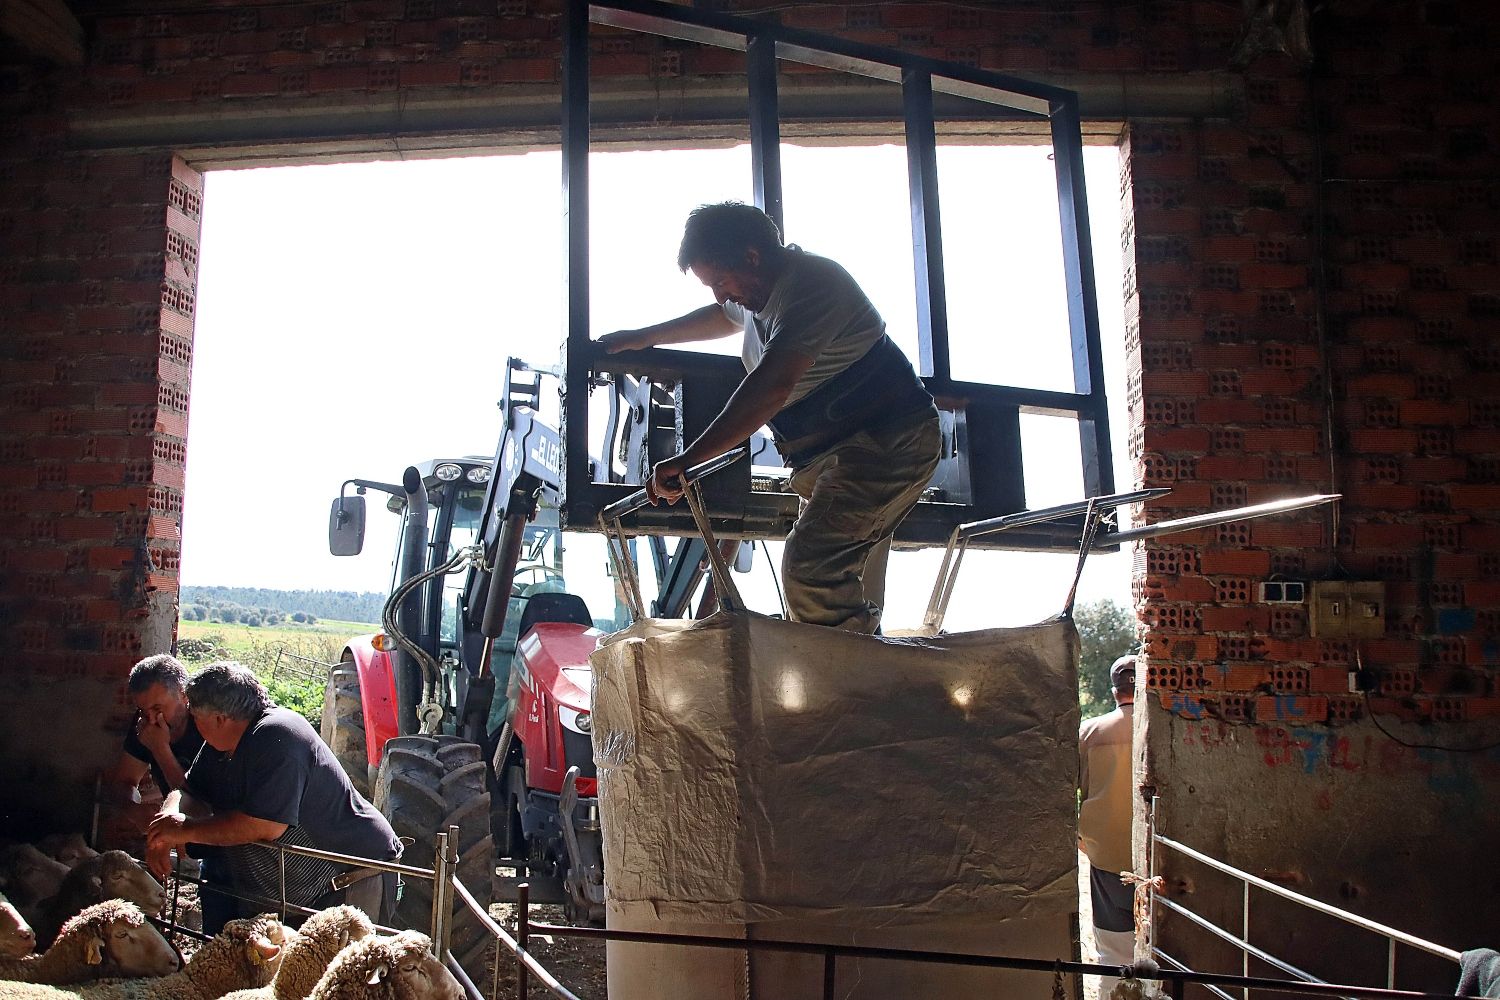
(770, 778)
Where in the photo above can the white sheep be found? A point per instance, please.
(246, 953)
(304, 961)
(111, 875)
(388, 968)
(27, 876)
(107, 939)
(69, 848)
(17, 939)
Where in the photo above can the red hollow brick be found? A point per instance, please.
(109, 557)
(1236, 562)
(1291, 708)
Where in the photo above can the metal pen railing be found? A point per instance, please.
(1241, 941)
(528, 965)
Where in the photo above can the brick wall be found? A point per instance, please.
(1317, 268)
(97, 341)
(1313, 311)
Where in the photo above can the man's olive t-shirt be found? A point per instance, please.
(815, 308)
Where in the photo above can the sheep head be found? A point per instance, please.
(244, 955)
(68, 848)
(395, 968)
(116, 875)
(117, 941)
(340, 926)
(27, 875)
(17, 939)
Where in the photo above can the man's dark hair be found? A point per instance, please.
(230, 689)
(163, 669)
(720, 234)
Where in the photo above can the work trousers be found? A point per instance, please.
(1113, 904)
(853, 497)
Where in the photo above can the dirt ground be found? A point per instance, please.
(578, 964)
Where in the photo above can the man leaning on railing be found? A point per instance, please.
(264, 775)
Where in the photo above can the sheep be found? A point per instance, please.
(69, 848)
(111, 875)
(27, 876)
(393, 968)
(107, 939)
(17, 939)
(319, 940)
(246, 953)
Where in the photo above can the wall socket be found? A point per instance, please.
(1342, 609)
(1283, 592)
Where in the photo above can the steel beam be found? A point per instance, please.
(575, 192)
(926, 228)
(1083, 309)
(765, 128)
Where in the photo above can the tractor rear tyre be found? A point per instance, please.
(343, 726)
(425, 785)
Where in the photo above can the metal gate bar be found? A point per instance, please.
(1242, 941)
(993, 484)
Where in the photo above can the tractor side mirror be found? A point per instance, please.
(744, 557)
(346, 526)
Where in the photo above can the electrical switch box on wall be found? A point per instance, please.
(1341, 609)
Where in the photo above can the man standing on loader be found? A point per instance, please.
(849, 415)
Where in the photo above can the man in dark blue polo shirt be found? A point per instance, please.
(264, 776)
(162, 738)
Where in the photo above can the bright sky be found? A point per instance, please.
(355, 319)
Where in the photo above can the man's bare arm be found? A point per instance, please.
(156, 736)
(228, 829)
(759, 398)
(705, 323)
(182, 821)
(122, 780)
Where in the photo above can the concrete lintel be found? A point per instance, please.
(525, 116)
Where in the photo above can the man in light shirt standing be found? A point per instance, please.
(1104, 778)
(850, 417)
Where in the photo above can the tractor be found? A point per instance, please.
(471, 706)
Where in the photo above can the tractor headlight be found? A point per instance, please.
(448, 472)
(478, 474)
(578, 722)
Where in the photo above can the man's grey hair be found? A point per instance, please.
(228, 688)
(163, 669)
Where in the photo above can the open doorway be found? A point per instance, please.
(356, 318)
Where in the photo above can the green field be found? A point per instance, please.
(245, 643)
(279, 655)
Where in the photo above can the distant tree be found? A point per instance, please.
(229, 613)
(312, 619)
(300, 617)
(1106, 632)
(272, 618)
(252, 619)
(340, 605)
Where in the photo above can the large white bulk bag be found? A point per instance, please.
(764, 778)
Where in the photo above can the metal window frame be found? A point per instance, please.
(994, 475)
